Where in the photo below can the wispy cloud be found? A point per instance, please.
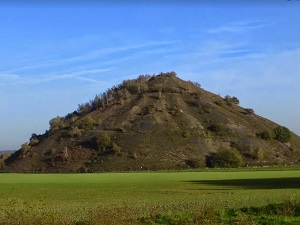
(17, 80)
(277, 71)
(238, 27)
(89, 55)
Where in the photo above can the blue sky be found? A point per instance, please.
(54, 56)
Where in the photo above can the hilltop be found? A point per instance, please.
(154, 123)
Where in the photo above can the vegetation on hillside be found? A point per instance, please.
(157, 122)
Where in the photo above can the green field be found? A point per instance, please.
(125, 198)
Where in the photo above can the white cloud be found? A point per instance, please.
(54, 61)
(238, 27)
(17, 80)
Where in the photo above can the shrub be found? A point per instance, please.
(266, 135)
(217, 128)
(57, 123)
(226, 158)
(24, 149)
(144, 87)
(282, 134)
(88, 123)
(193, 163)
(258, 154)
(75, 132)
(197, 84)
(102, 143)
(116, 148)
(84, 108)
(34, 140)
(231, 100)
(2, 164)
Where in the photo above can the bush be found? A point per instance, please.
(231, 100)
(75, 132)
(193, 163)
(24, 149)
(258, 154)
(217, 128)
(116, 148)
(57, 123)
(2, 164)
(266, 135)
(88, 123)
(282, 134)
(226, 158)
(102, 143)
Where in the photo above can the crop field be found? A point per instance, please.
(139, 198)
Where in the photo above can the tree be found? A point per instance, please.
(101, 143)
(266, 135)
(226, 158)
(282, 134)
(24, 149)
(235, 100)
(231, 100)
(57, 123)
(197, 84)
(84, 108)
(96, 103)
(34, 139)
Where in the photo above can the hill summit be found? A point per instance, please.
(154, 123)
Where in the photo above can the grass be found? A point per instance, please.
(145, 198)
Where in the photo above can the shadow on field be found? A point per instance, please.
(264, 183)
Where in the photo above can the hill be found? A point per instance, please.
(156, 123)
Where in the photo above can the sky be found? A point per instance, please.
(56, 54)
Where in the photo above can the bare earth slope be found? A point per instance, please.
(154, 123)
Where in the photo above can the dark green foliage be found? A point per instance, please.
(197, 84)
(282, 134)
(217, 128)
(266, 135)
(226, 158)
(34, 140)
(102, 143)
(193, 163)
(289, 208)
(231, 100)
